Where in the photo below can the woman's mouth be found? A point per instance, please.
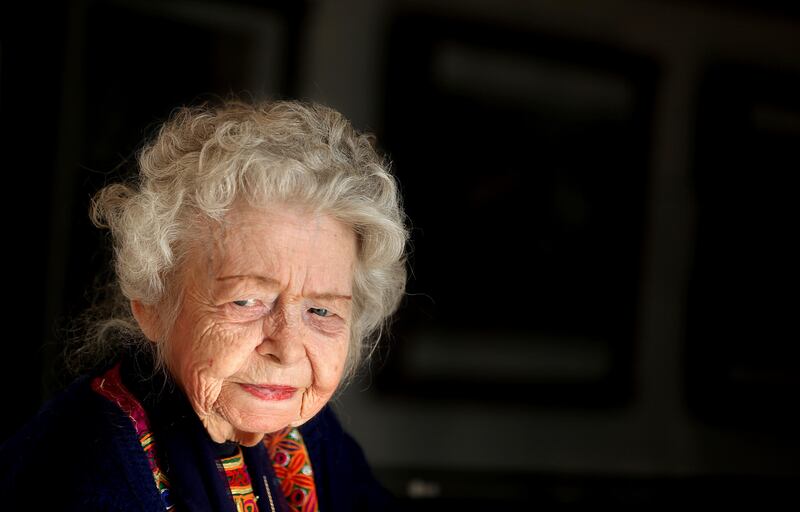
(268, 392)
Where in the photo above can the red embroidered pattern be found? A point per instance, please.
(111, 387)
(292, 466)
(239, 482)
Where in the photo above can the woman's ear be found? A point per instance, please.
(148, 319)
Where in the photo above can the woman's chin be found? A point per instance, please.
(261, 419)
(261, 428)
(245, 419)
(249, 438)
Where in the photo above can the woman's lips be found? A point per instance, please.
(270, 392)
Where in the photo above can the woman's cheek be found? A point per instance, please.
(327, 363)
(223, 349)
(203, 392)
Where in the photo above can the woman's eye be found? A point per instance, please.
(320, 311)
(245, 303)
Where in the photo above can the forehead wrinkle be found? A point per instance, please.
(309, 229)
(238, 243)
(265, 281)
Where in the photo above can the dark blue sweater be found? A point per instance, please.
(81, 452)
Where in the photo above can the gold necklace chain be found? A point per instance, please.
(269, 495)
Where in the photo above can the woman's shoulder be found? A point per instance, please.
(344, 478)
(59, 416)
(70, 452)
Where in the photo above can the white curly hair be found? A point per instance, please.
(206, 158)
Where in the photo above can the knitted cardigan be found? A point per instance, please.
(81, 453)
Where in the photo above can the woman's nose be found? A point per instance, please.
(282, 337)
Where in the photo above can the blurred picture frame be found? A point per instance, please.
(741, 347)
(524, 163)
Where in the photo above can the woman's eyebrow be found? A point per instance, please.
(328, 296)
(274, 283)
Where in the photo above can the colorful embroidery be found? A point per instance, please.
(111, 387)
(293, 468)
(239, 482)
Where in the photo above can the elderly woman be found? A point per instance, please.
(260, 252)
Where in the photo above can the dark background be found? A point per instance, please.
(602, 194)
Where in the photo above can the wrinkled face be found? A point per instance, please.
(262, 335)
